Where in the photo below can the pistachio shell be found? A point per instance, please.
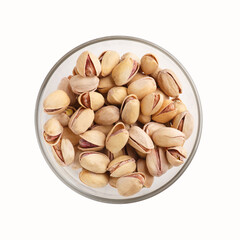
(155, 73)
(88, 65)
(130, 55)
(113, 181)
(83, 84)
(149, 63)
(64, 117)
(56, 102)
(137, 76)
(107, 115)
(163, 95)
(157, 163)
(179, 105)
(176, 155)
(169, 83)
(81, 120)
(144, 119)
(168, 137)
(92, 140)
(151, 127)
(139, 140)
(184, 122)
(124, 71)
(105, 84)
(95, 180)
(68, 134)
(114, 155)
(142, 167)
(166, 113)
(52, 131)
(76, 164)
(130, 151)
(104, 129)
(151, 103)
(65, 86)
(109, 59)
(93, 100)
(117, 138)
(116, 95)
(94, 161)
(130, 109)
(140, 154)
(121, 165)
(130, 184)
(142, 87)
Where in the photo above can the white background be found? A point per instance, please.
(203, 203)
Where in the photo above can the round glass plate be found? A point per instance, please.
(121, 44)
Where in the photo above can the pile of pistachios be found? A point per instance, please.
(119, 120)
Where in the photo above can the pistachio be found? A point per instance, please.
(105, 84)
(142, 87)
(130, 109)
(102, 128)
(184, 123)
(76, 164)
(151, 127)
(121, 165)
(107, 115)
(75, 71)
(130, 151)
(108, 59)
(137, 76)
(88, 65)
(179, 105)
(83, 84)
(139, 140)
(130, 184)
(163, 95)
(169, 83)
(151, 103)
(56, 102)
(81, 120)
(52, 131)
(117, 138)
(113, 181)
(124, 71)
(94, 161)
(92, 140)
(168, 137)
(63, 152)
(166, 113)
(140, 154)
(157, 163)
(112, 156)
(176, 155)
(155, 73)
(64, 117)
(68, 134)
(144, 119)
(65, 86)
(93, 100)
(132, 56)
(142, 167)
(149, 63)
(95, 180)
(116, 95)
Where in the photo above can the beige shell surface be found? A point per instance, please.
(151, 127)
(149, 63)
(137, 76)
(142, 167)
(116, 95)
(76, 163)
(68, 151)
(172, 159)
(130, 55)
(68, 134)
(151, 103)
(102, 128)
(144, 119)
(113, 181)
(95, 137)
(105, 84)
(107, 115)
(93, 100)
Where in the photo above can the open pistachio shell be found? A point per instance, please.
(116, 95)
(95, 180)
(142, 87)
(52, 131)
(151, 127)
(176, 155)
(184, 122)
(144, 119)
(168, 137)
(130, 109)
(142, 167)
(81, 120)
(151, 103)
(65, 116)
(139, 140)
(121, 165)
(83, 84)
(102, 128)
(124, 71)
(117, 138)
(149, 63)
(130, 184)
(65, 86)
(105, 84)
(169, 83)
(112, 156)
(157, 163)
(68, 134)
(76, 164)
(179, 105)
(130, 55)
(113, 181)
(108, 59)
(56, 102)
(64, 152)
(94, 161)
(163, 95)
(137, 76)
(88, 65)
(166, 113)
(93, 100)
(107, 115)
